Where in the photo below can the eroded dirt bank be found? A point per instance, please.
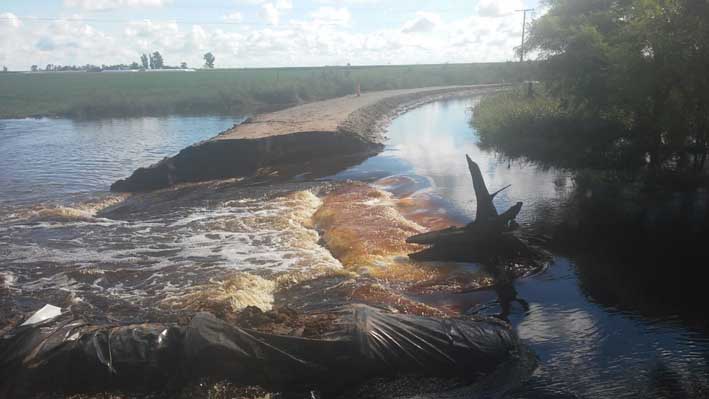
(314, 139)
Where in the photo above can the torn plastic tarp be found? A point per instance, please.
(68, 355)
(47, 312)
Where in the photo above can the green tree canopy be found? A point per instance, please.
(209, 60)
(156, 60)
(643, 62)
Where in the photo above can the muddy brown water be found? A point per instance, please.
(160, 256)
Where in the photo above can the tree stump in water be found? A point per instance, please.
(490, 239)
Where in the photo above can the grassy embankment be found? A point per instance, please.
(539, 128)
(222, 91)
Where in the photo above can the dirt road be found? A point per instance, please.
(311, 140)
(349, 113)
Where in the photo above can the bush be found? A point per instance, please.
(540, 128)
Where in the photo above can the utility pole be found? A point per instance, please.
(524, 26)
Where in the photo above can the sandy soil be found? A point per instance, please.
(333, 115)
(315, 139)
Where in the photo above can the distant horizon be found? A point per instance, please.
(202, 67)
(260, 33)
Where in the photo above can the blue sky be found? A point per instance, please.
(256, 33)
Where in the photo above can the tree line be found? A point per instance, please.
(624, 87)
(153, 61)
(639, 67)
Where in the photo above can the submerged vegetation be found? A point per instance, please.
(222, 91)
(624, 88)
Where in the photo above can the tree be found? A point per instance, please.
(144, 60)
(209, 60)
(34, 68)
(183, 65)
(4, 68)
(134, 66)
(641, 62)
(156, 60)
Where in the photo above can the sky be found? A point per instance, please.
(259, 33)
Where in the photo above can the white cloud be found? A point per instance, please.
(331, 16)
(9, 20)
(101, 5)
(424, 22)
(496, 8)
(271, 12)
(197, 39)
(325, 36)
(152, 30)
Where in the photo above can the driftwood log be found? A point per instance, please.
(490, 239)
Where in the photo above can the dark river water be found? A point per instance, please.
(164, 247)
(586, 349)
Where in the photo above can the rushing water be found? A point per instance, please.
(195, 245)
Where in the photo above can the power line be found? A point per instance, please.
(524, 27)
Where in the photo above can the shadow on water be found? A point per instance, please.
(630, 286)
(620, 312)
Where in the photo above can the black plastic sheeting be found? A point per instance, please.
(67, 355)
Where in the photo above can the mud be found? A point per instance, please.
(311, 140)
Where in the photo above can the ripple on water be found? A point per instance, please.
(366, 228)
(217, 251)
(186, 250)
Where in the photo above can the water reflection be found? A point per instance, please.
(47, 159)
(596, 352)
(431, 143)
(569, 313)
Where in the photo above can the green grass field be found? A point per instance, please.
(222, 91)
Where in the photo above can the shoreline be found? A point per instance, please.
(315, 139)
(224, 91)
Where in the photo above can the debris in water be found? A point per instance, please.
(47, 312)
(490, 239)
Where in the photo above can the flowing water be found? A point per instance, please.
(50, 159)
(65, 240)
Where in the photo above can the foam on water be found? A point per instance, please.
(192, 253)
(77, 211)
(237, 291)
(222, 253)
(366, 228)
